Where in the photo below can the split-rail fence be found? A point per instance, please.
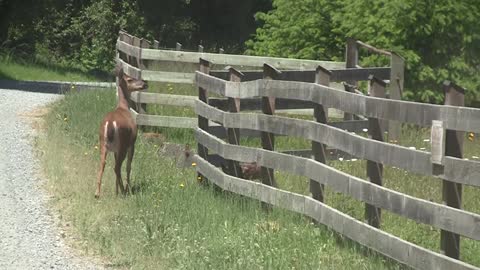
(308, 84)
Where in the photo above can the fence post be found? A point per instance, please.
(156, 44)
(452, 192)
(233, 134)
(351, 61)
(200, 48)
(202, 121)
(221, 51)
(374, 170)
(267, 138)
(320, 114)
(397, 70)
(142, 107)
(178, 46)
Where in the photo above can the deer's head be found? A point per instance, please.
(128, 83)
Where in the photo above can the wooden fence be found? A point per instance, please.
(134, 52)
(272, 89)
(449, 166)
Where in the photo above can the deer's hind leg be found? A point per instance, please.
(119, 158)
(130, 153)
(103, 157)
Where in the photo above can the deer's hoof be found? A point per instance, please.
(97, 196)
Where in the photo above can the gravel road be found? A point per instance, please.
(29, 238)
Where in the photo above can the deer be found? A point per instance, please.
(118, 132)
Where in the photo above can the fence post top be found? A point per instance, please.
(235, 71)
(447, 85)
(324, 70)
(374, 79)
(204, 62)
(269, 68)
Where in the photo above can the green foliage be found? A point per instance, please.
(438, 39)
(85, 36)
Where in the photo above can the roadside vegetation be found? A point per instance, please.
(173, 222)
(14, 68)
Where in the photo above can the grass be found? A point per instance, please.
(12, 68)
(194, 227)
(171, 221)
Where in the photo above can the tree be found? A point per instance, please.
(438, 38)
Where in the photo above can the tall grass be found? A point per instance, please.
(171, 221)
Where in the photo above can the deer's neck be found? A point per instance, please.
(122, 97)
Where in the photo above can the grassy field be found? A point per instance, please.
(12, 68)
(173, 222)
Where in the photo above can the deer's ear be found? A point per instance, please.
(119, 70)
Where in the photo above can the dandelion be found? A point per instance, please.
(471, 136)
(365, 130)
(73, 86)
(199, 179)
(65, 119)
(182, 185)
(341, 159)
(96, 147)
(194, 164)
(86, 153)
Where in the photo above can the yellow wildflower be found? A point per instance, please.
(194, 164)
(182, 185)
(471, 136)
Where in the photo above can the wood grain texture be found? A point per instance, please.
(361, 147)
(437, 215)
(382, 242)
(337, 75)
(164, 99)
(454, 117)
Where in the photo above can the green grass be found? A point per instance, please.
(165, 225)
(12, 68)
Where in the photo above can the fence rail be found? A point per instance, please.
(308, 84)
(366, 235)
(453, 117)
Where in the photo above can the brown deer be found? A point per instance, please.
(118, 131)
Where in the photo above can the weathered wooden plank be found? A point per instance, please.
(374, 169)
(268, 138)
(338, 75)
(233, 134)
(320, 114)
(372, 48)
(166, 121)
(381, 152)
(452, 192)
(164, 99)
(213, 84)
(457, 118)
(172, 77)
(396, 90)
(230, 59)
(435, 214)
(250, 104)
(130, 70)
(387, 244)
